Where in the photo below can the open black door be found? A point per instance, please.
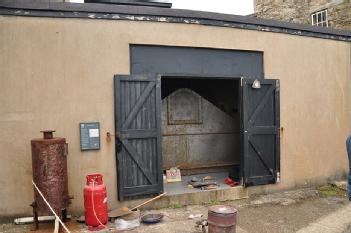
(260, 128)
(138, 135)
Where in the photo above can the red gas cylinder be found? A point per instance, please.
(95, 201)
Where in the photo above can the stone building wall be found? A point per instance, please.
(299, 11)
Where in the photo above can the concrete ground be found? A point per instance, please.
(303, 210)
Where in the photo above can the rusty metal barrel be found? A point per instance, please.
(49, 163)
(222, 219)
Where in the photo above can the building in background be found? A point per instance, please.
(325, 13)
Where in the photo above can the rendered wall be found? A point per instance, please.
(56, 73)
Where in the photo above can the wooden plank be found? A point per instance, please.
(261, 180)
(259, 155)
(135, 172)
(139, 87)
(158, 105)
(263, 130)
(146, 125)
(138, 105)
(244, 128)
(135, 156)
(153, 143)
(262, 104)
(135, 78)
(141, 190)
(118, 117)
(130, 167)
(277, 124)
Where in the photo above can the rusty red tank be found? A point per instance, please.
(95, 202)
(49, 163)
(222, 219)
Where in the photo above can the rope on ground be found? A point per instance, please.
(47, 203)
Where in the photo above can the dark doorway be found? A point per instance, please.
(200, 123)
(201, 129)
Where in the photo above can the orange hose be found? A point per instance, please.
(92, 200)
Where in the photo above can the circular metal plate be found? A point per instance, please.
(222, 209)
(151, 218)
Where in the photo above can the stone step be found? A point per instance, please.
(193, 198)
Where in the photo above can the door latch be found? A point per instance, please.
(117, 140)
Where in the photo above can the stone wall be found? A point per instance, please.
(299, 11)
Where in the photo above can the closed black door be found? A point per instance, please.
(138, 135)
(260, 132)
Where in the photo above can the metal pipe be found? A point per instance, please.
(27, 220)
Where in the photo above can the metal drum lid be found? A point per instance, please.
(222, 209)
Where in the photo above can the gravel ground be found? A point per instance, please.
(280, 212)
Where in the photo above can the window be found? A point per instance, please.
(320, 18)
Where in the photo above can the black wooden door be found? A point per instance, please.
(138, 135)
(260, 127)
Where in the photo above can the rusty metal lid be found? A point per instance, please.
(222, 209)
(48, 134)
(48, 138)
